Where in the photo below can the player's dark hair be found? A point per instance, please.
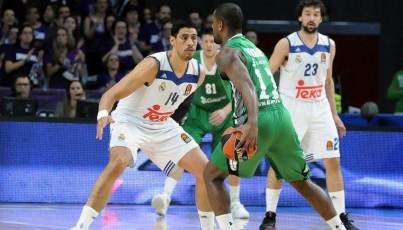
(208, 31)
(231, 15)
(179, 24)
(308, 3)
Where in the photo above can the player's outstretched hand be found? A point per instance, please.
(102, 123)
(248, 141)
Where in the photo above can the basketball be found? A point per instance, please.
(229, 141)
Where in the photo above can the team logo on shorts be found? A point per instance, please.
(298, 59)
(188, 90)
(185, 138)
(162, 87)
(322, 57)
(329, 145)
(121, 137)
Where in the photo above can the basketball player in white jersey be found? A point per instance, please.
(147, 96)
(306, 86)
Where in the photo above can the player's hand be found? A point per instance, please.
(339, 125)
(217, 117)
(248, 141)
(102, 123)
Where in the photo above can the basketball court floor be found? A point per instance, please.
(134, 217)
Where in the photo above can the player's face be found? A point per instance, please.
(216, 25)
(310, 19)
(185, 43)
(210, 48)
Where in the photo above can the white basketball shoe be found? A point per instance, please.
(161, 203)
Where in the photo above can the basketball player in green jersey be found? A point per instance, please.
(263, 120)
(210, 112)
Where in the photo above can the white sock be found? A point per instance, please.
(272, 197)
(87, 216)
(169, 185)
(336, 224)
(338, 200)
(226, 222)
(206, 220)
(234, 192)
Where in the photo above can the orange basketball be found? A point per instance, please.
(229, 141)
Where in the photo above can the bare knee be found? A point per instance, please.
(117, 165)
(212, 174)
(332, 164)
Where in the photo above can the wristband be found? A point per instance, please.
(102, 113)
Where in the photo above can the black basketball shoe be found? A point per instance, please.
(347, 223)
(269, 222)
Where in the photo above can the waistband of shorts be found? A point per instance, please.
(271, 107)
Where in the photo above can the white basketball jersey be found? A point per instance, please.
(158, 101)
(303, 77)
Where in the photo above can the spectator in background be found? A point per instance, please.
(10, 39)
(94, 31)
(68, 107)
(71, 23)
(23, 57)
(49, 15)
(19, 7)
(163, 43)
(62, 13)
(148, 16)
(132, 20)
(128, 53)
(63, 62)
(208, 21)
(40, 29)
(8, 20)
(22, 86)
(395, 91)
(197, 18)
(111, 75)
(123, 6)
(251, 35)
(109, 20)
(150, 33)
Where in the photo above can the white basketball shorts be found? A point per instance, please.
(314, 124)
(164, 143)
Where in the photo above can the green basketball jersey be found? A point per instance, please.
(213, 93)
(259, 71)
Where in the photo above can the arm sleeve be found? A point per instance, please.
(183, 108)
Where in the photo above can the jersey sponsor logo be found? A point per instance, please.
(212, 100)
(298, 59)
(329, 145)
(185, 138)
(121, 137)
(188, 90)
(323, 58)
(154, 115)
(308, 92)
(162, 87)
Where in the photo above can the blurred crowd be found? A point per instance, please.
(95, 42)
